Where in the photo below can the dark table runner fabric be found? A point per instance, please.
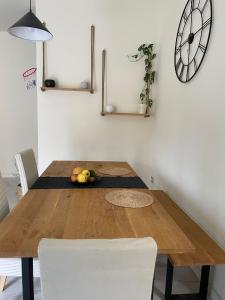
(103, 182)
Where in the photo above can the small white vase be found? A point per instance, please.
(109, 108)
(84, 85)
(142, 108)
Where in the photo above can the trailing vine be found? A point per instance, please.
(146, 51)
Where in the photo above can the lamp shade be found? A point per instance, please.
(29, 27)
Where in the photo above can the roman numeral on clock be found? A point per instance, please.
(178, 49)
(202, 48)
(182, 72)
(195, 65)
(187, 75)
(204, 6)
(192, 5)
(206, 23)
(178, 63)
(185, 17)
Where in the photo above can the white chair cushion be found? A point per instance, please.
(27, 168)
(97, 269)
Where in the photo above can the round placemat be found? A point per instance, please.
(129, 198)
(114, 171)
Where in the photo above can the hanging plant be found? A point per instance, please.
(146, 51)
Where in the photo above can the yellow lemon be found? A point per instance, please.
(86, 173)
(82, 178)
(77, 170)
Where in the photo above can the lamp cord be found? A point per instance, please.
(30, 5)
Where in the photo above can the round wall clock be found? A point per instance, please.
(192, 38)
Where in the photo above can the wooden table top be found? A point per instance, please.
(207, 252)
(64, 168)
(84, 213)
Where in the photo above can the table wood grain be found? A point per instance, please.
(85, 214)
(207, 252)
(64, 168)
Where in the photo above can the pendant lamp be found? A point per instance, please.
(29, 27)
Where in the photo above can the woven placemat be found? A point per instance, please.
(114, 171)
(129, 198)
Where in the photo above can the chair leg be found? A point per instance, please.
(2, 283)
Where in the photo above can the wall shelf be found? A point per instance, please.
(103, 112)
(71, 89)
(66, 89)
(125, 114)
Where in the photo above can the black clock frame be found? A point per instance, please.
(207, 43)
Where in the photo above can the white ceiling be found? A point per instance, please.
(12, 10)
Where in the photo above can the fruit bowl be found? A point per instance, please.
(83, 176)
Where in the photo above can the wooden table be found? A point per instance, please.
(79, 214)
(60, 168)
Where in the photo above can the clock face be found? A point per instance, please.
(192, 38)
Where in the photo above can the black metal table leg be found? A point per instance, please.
(27, 278)
(201, 295)
(204, 282)
(169, 280)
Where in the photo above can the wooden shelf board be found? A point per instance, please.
(125, 114)
(67, 89)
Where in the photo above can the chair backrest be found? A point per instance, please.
(120, 269)
(4, 206)
(27, 168)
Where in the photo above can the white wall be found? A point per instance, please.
(70, 125)
(18, 107)
(189, 130)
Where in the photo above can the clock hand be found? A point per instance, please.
(178, 49)
(204, 25)
(198, 30)
(191, 15)
(188, 39)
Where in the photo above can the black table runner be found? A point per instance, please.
(103, 182)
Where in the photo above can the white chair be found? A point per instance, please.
(10, 266)
(120, 269)
(27, 168)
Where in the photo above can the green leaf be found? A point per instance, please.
(141, 47)
(142, 96)
(152, 77)
(147, 77)
(146, 51)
